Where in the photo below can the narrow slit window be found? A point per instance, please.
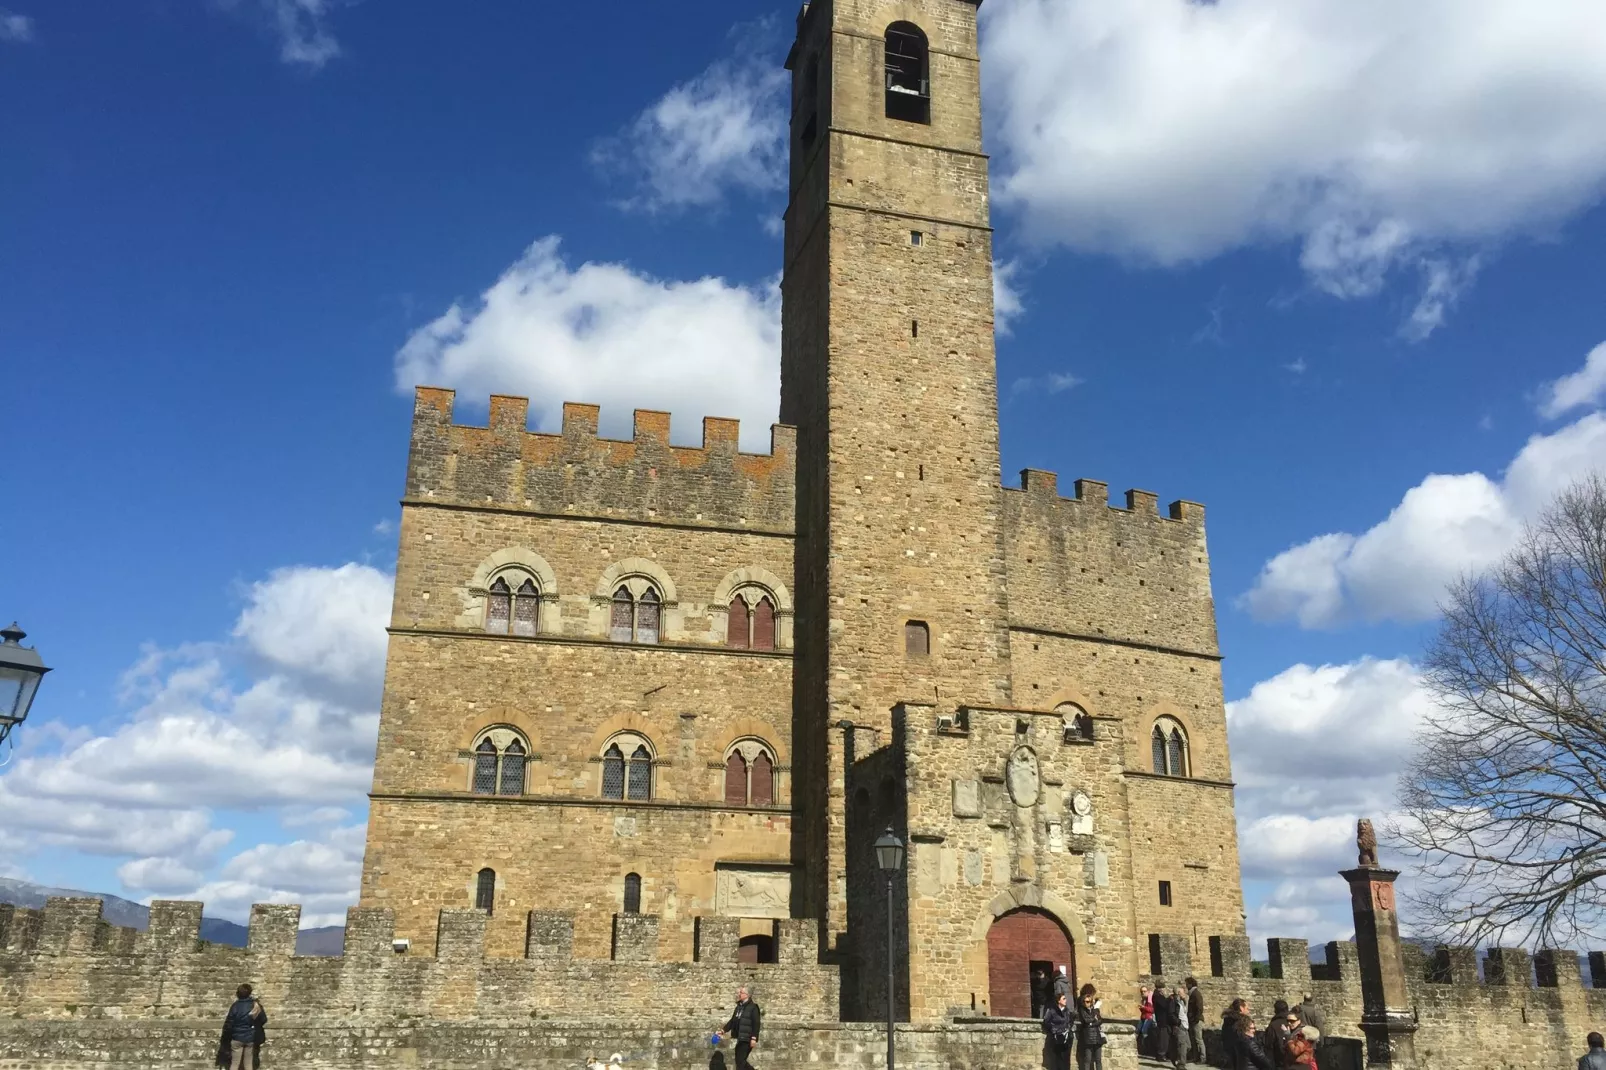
(632, 893)
(1165, 893)
(485, 890)
(498, 607)
(914, 328)
(917, 639)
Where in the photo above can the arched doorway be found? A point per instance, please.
(1018, 943)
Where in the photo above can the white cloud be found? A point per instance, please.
(14, 27)
(322, 875)
(281, 721)
(1377, 135)
(1585, 387)
(723, 131)
(1047, 383)
(300, 26)
(606, 334)
(1008, 301)
(1314, 749)
(1445, 526)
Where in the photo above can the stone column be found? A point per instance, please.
(1387, 1018)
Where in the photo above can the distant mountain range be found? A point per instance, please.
(120, 911)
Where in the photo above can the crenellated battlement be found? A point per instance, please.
(66, 962)
(576, 472)
(1080, 567)
(1043, 487)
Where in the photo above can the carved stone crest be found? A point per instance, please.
(1022, 777)
(1081, 807)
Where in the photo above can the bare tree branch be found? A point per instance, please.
(1503, 804)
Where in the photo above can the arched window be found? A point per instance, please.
(739, 623)
(635, 620)
(750, 774)
(1169, 744)
(499, 763)
(509, 611)
(632, 893)
(526, 607)
(751, 620)
(498, 607)
(485, 757)
(512, 782)
(1077, 724)
(485, 890)
(764, 625)
(736, 779)
(916, 638)
(761, 778)
(627, 769)
(908, 73)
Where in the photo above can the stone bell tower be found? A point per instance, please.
(888, 372)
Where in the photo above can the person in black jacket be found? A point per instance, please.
(1229, 1030)
(1058, 1022)
(743, 1028)
(1248, 1054)
(242, 1031)
(1277, 1032)
(1089, 1030)
(1162, 1021)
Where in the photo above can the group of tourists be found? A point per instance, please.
(1287, 1043)
(1171, 1022)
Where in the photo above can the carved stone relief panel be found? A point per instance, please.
(753, 892)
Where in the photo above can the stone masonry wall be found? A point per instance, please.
(1505, 1023)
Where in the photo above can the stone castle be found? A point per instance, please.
(627, 677)
(648, 707)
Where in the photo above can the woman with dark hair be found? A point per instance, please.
(1058, 1020)
(1248, 1054)
(1089, 1030)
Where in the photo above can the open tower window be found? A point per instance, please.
(908, 74)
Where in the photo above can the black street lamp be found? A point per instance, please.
(889, 858)
(21, 669)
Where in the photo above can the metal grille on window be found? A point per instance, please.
(641, 774)
(525, 607)
(1177, 754)
(485, 890)
(613, 773)
(498, 607)
(737, 626)
(632, 893)
(647, 617)
(761, 779)
(512, 770)
(764, 625)
(485, 768)
(736, 780)
(1159, 751)
(624, 616)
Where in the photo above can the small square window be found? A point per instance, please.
(1165, 893)
(916, 238)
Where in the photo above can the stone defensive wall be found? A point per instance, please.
(578, 474)
(1081, 568)
(1527, 1011)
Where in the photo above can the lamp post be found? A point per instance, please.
(21, 669)
(889, 858)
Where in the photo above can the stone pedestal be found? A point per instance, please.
(1387, 1018)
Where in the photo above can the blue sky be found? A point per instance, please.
(1335, 271)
